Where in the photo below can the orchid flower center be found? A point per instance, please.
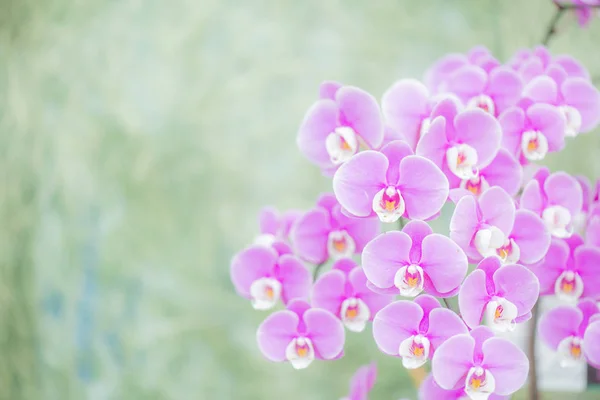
(534, 145)
(340, 245)
(388, 204)
(479, 384)
(354, 314)
(265, 293)
(509, 253)
(500, 315)
(409, 280)
(462, 161)
(476, 185)
(424, 128)
(483, 102)
(570, 351)
(300, 352)
(489, 240)
(558, 221)
(414, 351)
(341, 144)
(572, 119)
(569, 286)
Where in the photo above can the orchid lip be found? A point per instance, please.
(569, 286)
(409, 280)
(265, 293)
(509, 253)
(462, 161)
(534, 145)
(341, 144)
(476, 185)
(570, 351)
(488, 240)
(572, 118)
(483, 102)
(500, 315)
(300, 352)
(414, 351)
(340, 245)
(479, 383)
(388, 204)
(354, 313)
(558, 221)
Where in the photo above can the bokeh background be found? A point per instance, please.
(139, 139)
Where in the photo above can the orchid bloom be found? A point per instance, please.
(570, 270)
(414, 260)
(343, 292)
(275, 227)
(491, 92)
(390, 184)
(500, 296)
(300, 335)
(325, 232)
(532, 133)
(576, 98)
(481, 226)
(407, 107)
(460, 143)
(413, 330)
(441, 71)
(556, 198)
(362, 382)
(504, 171)
(337, 125)
(532, 63)
(573, 332)
(481, 363)
(264, 276)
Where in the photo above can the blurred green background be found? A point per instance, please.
(139, 139)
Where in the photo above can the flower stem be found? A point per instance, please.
(560, 10)
(317, 270)
(533, 383)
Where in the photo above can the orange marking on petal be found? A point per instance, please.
(412, 282)
(418, 351)
(498, 312)
(302, 351)
(339, 245)
(390, 205)
(576, 351)
(532, 145)
(567, 287)
(475, 383)
(461, 158)
(351, 313)
(269, 292)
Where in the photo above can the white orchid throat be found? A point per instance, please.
(558, 221)
(500, 315)
(489, 240)
(569, 286)
(300, 352)
(265, 293)
(509, 253)
(341, 144)
(476, 185)
(534, 145)
(479, 384)
(570, 352)
(409, 280)
(354, 313)
(462, 161)
(388, 204)
(483, 102)
(414, 351)
(573, 120)
(340, 245)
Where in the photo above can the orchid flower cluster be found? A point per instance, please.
(469, 135)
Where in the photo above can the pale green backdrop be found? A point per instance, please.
(139, 139)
